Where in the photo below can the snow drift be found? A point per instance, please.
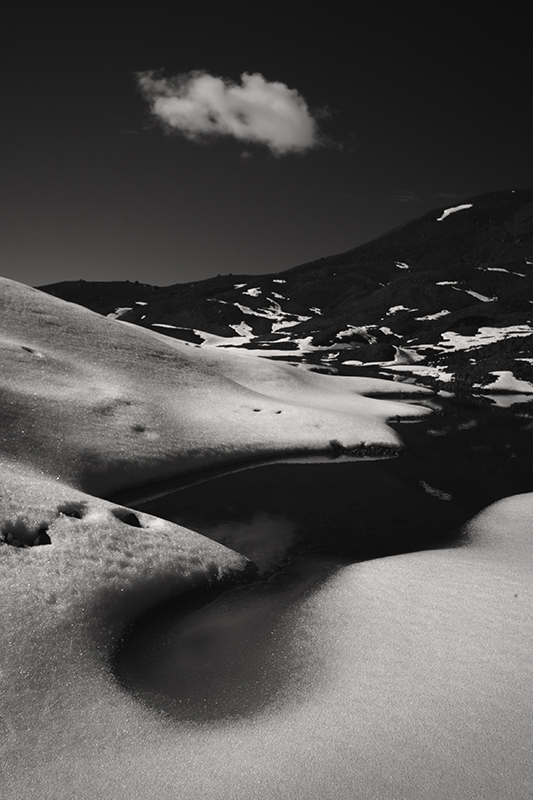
(91, 405)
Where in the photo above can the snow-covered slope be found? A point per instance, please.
(91, 405)
(111, 404)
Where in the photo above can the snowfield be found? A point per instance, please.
(420, 680)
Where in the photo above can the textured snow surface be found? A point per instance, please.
(104, 404)
(406, 677)
(90, 405)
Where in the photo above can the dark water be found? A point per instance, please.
(231, 655)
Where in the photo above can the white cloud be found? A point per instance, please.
(199, 105)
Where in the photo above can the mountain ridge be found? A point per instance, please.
(457, 269)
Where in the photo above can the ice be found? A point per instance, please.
(253, 292)
(164, 325)
(453, 210)
(446, 283)
(401, 265)
(279, 280)
(239, 285)
(140, 303)
(315, 310)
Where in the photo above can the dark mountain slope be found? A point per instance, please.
(496, 229)
(459, 270)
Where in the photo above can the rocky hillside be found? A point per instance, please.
(446, 298)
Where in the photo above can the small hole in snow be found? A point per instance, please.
(42, 537)
(18, 533)
(73, 508)
(126, 516)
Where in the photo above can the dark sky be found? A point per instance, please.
(425, 108)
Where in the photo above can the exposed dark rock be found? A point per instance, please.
(461, 271)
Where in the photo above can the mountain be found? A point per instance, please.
(445, 297)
